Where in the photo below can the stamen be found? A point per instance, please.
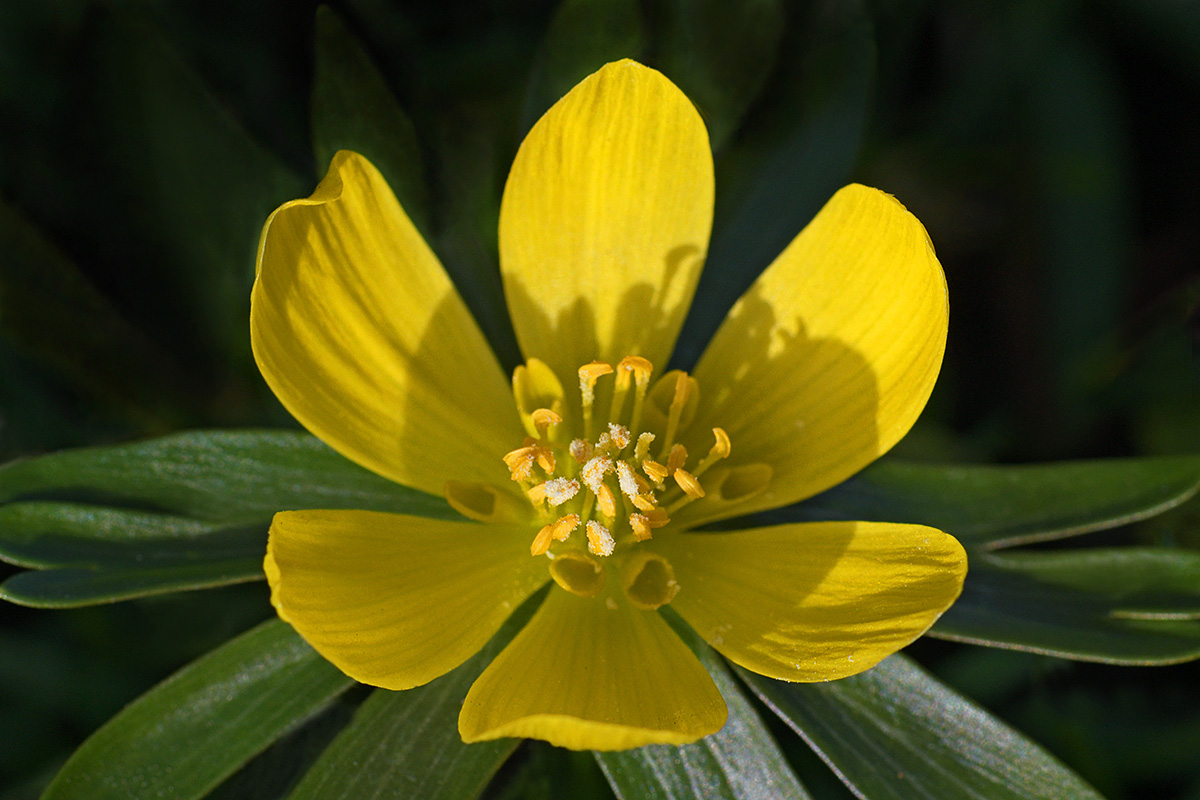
(655, 471)
(520, 463)
(720, 449)
(640, 525)
(580, 450)
(641, 451)
(644, 501)
(588, 375)
(594, 470)
(560, 490)
(678, 401)
(536, 386)
(687, 481)
(618, 435)
(641, 369)
(627, 480)
(606, 502)
(677, 458)
(545, 458)
(600, 541)
(544, 419)
(657, 518)
(558, 530)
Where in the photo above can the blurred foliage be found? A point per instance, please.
(1049, 147)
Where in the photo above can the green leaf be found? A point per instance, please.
(221, 476)
(895, 733)
(719, 53)
(739, 762)
(583, 36)
(1120, 606)
(196, 508)
(353, 109)
(189, 733)
(406, 744)
(993, 507)
(786, 164)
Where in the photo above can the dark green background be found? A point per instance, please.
(1050, 147)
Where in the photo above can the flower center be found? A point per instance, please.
(619, 480)
(604, 482)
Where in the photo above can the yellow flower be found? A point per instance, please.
(591, 469)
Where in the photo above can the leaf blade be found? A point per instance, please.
(896, 733)
(1132, 606)
(204, 722)
(989, 507)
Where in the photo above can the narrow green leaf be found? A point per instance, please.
(70, 587)
(353, 109)
(719, 53)
(994, 507)
(47, 534)
(186, 735)
(787, 163)
(739, 762)
(583, 36)
(224, 476)
(406, 744)
(1118, 606)
(896, 733)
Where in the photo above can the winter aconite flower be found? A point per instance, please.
(593, 468)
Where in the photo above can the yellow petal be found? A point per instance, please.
(589, 676)
(828, 359)
(395, 601)
(814, 601)
(361, 335)
(605, 220)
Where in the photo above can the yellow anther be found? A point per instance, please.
(687, 481)
(645, 502)
(594, 470)
(657, 518)
(559, 490)
(544, 419)
(618, 435)
(600, 541)
(541, 542)
(639, 367)
(720, 449)
(564, 526)
(641, 450)
(520, 462)
(581, 451)
(676, 459)
(627, 480)
(588, 375)
(558, 531)
(537, 494)
(640, 525)
(605, 501)
(655, 471)
(545, 458)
